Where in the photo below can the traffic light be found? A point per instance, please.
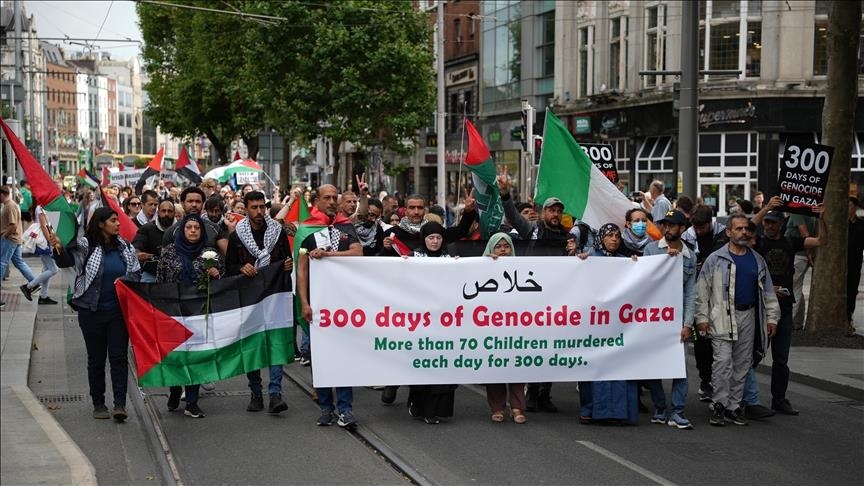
(538, 144)
(523, 129)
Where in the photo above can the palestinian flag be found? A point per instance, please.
(44, 189)
(153, 168)
(187, 167)
(128, 228)
(299, 211)
(88, 179)
(182, 337)
(483, 173)
(567, 173)
(106, 175)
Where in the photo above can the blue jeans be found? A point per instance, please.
(344, 399)
(679, 394)
(49, 269)
(305, 345)
(275, 387)
(11, 253)
(751, 389)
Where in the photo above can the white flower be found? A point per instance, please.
(209, 255)
(303, 251)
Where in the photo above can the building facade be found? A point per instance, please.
(62, 115)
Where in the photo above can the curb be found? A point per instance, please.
(846, 391)
(81, 469)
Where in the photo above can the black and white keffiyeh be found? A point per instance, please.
(409, 227)
(271, 236)
(366, 233)
(93, 264)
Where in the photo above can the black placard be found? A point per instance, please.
(602, 155)
(803, 176)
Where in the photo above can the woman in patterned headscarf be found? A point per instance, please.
(608, 401)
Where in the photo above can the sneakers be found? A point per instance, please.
(276, 404)
(192, 410)
(346, 421)
(717, 415)
(304, 361)
(680, 421)
(119, 413)
(784, 407)
(209, 386)
(256, 403)
(326, 419)
(2, 304)
(47, 301)
(412, 410)
(173, 400)
(735, 416)
(388, 396)
(28, 292)
(705, 392)
(659, 416)
(757, 412)
(431, 420)
(101, 412)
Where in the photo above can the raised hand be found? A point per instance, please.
(503, 180)
(470, 202)
(362, 186)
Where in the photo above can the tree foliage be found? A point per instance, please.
(356, 70)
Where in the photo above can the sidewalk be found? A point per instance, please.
(47, 455)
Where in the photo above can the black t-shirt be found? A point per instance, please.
(779, 255)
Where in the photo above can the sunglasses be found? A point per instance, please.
(134, 203)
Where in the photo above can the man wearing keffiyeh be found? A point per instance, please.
(336, 239)
(257, 241)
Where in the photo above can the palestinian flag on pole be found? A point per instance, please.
(45, 190)
(567, 173)
(88, 179)
(153, 168)
(299, 211)
(483, 173)
(187, 167)
(180, 336)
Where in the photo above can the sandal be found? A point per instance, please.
(518, 416)
(498, 417)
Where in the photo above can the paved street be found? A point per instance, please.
(232, 446)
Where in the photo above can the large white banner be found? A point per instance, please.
(395, 321)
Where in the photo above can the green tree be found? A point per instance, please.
(827, 312)
(196, 62)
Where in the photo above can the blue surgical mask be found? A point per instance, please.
(638, 228)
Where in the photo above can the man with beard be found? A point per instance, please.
(257, 242)
(547, 228)
(733, 286)
(149, 203)
(407, 231)
(338, 239)
(672, 225)
(192, 199)
(779, 252)
(369, 232)
(148, 239)
(215, 210)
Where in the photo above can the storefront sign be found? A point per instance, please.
(739, 115)
(603, 157)
(478, 320)
(803, 176)
(461, 76)
(583, 124)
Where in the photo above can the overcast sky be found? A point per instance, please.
(79, 19)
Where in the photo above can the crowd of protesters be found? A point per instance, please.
(741, 281)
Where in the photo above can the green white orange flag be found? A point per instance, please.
(45, 190)
(567, 173)
(483, 173)
(182, 336)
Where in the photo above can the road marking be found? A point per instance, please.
(628, 464)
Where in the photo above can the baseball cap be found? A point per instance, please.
(673, 217)
(775, 216)
(551, 202)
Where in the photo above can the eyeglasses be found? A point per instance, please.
(372, 216)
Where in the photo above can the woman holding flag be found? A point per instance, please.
(100, 258)
(186, 261)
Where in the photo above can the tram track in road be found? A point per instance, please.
(370, 440)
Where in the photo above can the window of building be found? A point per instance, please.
(622, 161)
(730, 37)
(586, 61)
(546, 49)
(820, 39)
(655, 43)
(502, 60)
(472, 25)
(457, 29)
(655, 160)
(618, 53)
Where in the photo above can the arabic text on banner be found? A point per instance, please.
(510, 320)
